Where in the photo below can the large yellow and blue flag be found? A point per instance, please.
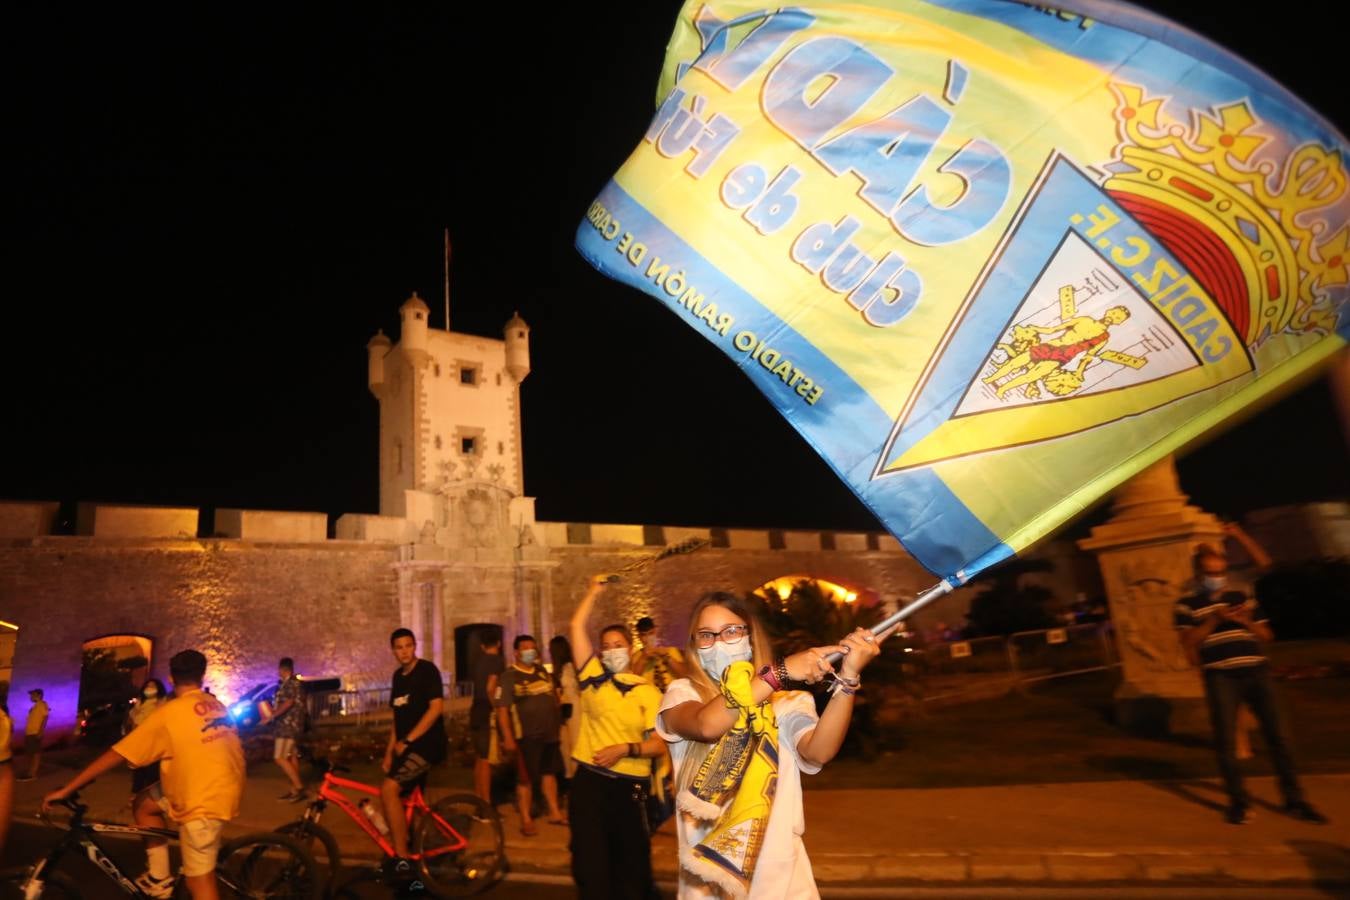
(990, 258)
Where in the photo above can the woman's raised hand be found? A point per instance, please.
(860, 648)
(811, 666)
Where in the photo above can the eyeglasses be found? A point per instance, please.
(732, 634)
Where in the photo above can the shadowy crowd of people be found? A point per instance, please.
(614, 735)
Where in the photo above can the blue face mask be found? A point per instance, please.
(719, 656)
(529, 657)
(1214, 582)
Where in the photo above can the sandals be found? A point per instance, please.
(529, 829)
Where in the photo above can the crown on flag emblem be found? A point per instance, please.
(1175, 261)
(1246, 232)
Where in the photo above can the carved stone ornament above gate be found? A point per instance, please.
(478, 516)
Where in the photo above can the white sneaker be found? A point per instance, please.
(159, 888)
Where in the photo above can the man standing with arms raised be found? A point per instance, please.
(416, 741)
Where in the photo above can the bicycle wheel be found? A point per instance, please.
(460, 846)
(55, 885)
(319, 843)
(268, 865)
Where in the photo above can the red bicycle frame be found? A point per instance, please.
(413, 804)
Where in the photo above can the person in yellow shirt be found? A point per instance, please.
(616, 743)
(6, 776)
(201, 768)
(658, 664)
(34, 731)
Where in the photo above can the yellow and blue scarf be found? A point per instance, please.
(735, 788)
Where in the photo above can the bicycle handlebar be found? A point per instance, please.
(883, 628)
(71, 802)
(332, 768)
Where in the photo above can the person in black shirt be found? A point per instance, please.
(531, 722)
(487, 669)
(417, 740)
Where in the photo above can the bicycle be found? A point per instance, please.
(458, 843)
(259, 865)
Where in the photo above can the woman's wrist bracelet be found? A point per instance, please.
(770, 677)
(633, 749)
(780, 669)
(844, 684)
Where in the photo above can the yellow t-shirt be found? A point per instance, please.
(656, 666)
(615, 709)
(37, 718)
(201, 771)
(5, 728)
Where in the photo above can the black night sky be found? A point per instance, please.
(213, 212)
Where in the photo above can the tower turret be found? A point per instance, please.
(413, 337)
(517, 335)
(376, 350)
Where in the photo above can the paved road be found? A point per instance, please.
(29, 841)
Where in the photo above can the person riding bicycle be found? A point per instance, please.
(202, 768)
(417, 740)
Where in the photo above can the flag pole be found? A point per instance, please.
(883, 628)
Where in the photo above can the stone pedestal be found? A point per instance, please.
(1145, 555)
(1338, 376)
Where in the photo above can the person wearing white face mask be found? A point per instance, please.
(1225, 632)
(614, 752)
(740, 739)
(531, 717)
(157, 880)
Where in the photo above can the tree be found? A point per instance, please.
(102, 680)
(1005, 606)
(811, 617)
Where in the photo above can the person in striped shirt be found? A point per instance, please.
(1226, 630)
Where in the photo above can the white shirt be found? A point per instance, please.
(782, 871)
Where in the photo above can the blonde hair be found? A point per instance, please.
(759, 638)
(762, 652)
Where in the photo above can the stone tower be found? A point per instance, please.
(451, 466)
(449, 408)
